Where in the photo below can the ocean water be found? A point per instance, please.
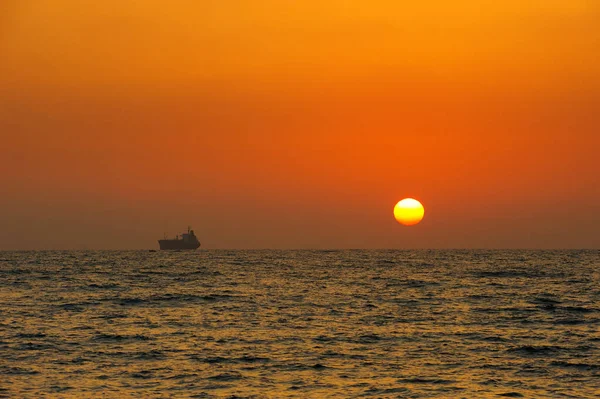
(300, 324)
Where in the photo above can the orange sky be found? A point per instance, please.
(276, 124)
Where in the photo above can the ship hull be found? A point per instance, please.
(178, 245)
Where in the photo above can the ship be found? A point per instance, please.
(187, 241)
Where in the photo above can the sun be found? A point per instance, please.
(409, 212)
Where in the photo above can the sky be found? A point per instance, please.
(299, 124)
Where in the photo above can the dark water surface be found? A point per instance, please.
(302, 324)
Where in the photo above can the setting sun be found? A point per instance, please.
(409, 212)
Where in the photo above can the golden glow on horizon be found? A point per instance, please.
(409, 212)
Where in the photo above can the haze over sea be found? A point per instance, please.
(300, 324)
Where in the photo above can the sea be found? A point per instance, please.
(300, 324)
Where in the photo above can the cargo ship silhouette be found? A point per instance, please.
(187, 241)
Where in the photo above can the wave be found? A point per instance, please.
(230, 360)
(5, 370)
(505, 274)
(230, 376)
(171, 299)
(578, 366)
(30, 335)
(422, 380)
(534, 350)
(119, 337)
